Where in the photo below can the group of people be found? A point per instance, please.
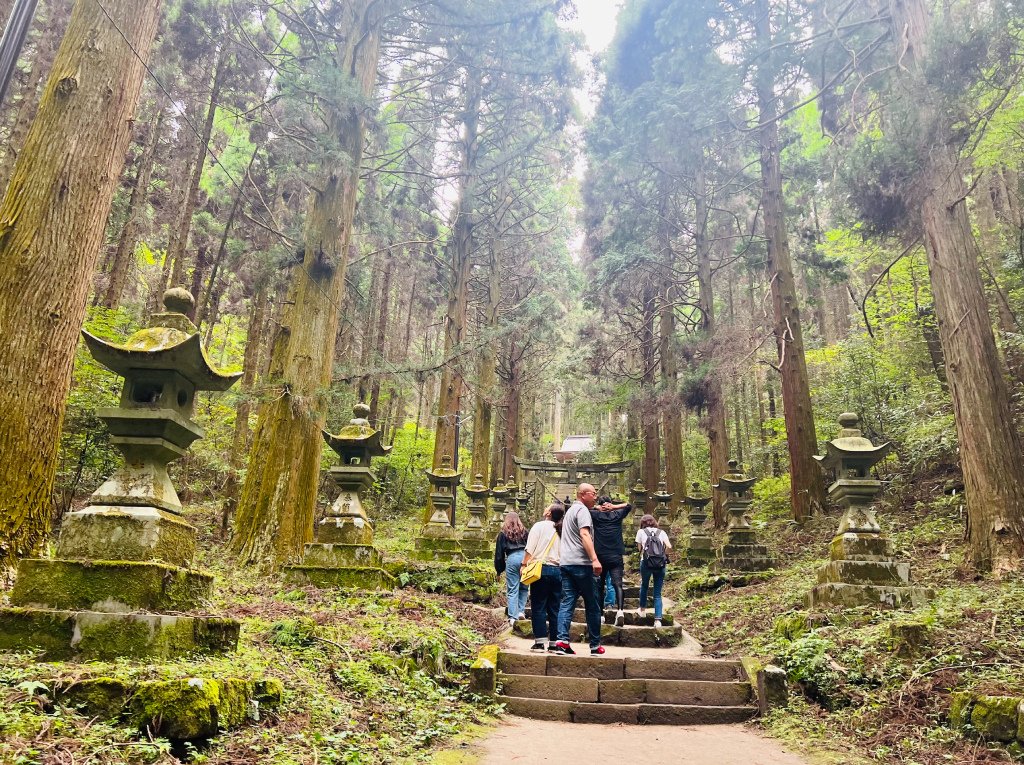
(582, 555)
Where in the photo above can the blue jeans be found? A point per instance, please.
(579, 581)
(659, 580)
(609, 589)
(517, 591)
(545, 599)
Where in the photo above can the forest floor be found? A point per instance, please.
(381, 677)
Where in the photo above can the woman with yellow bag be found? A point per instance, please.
(540, 571)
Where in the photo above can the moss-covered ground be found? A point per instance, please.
(369, 678)
(871, 685)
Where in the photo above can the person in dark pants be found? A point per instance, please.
(546, 592)
(611, 549)
(654, 546)
(578, 565)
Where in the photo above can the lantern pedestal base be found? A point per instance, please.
(109, 586)
(347, 578)
(129, 532)
(437, 542)
(62, 635)
(862, 572)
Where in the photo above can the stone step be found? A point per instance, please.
(620, 668)
(630, 618)
(632, 714)
(634, 691)
(630, 637)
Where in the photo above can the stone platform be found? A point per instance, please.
(62, 635)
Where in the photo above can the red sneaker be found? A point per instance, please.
(564, 648)
(599, 651)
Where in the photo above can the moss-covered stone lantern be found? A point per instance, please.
(700, 550)
(511, 496)
(861, 569)
(741, 551)
(523, 504)
(122, 582)
(500, 493)
(343, 554)
(663, 496)
(476, 540)
(438, 539)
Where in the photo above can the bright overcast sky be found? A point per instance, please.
(597, 21)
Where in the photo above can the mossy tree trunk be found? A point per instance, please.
(649, 409)
(807, 494)
(990, 447)
(276, 507)
(51, 226)
(487, 377)
(671, 411)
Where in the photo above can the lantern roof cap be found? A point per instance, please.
(851, 444)
(171, 342)
(358, 433)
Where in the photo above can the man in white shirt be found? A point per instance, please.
(578, 565)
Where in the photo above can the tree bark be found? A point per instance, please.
(487, 377)
(124, 256)
(649, 411)
(179, 238)
(715, 423)
(671, 415)
(276, 507)
(380, 344)
(808, 485)
(51, 225)
(460, 246)
(990, 448)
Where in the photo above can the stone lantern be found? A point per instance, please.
(343, 554)
(123, 563)
(438, 539)
(523, 504)
(700, 551)
(476, 539)
(861, 569)
(511, 497)
(741, 551)
(663, 497)
(497, 516)
(637, 498)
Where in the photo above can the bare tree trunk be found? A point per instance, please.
(460, 245)
(487, 377)
(124, 256)
(380, 346)
(671, 415)
(52, 220)
(808, 485)
(276, 507)
(178, 243)
(649, 411)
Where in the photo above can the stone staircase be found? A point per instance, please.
(646, 691)
(636, 632)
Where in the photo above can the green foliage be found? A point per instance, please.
(772, 497)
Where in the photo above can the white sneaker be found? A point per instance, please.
(511, 621)
(657, 622)
(620, 619)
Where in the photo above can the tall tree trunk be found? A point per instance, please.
(124, 256)
(487, 377)
(513, 407)
(671, 415)
(649, 409)
(178, 242)
(46, 48)
(276, 507)
(380, 344)
(715, 424)
(990, 448)
(459, 247)
(51, 226)
(808, 484)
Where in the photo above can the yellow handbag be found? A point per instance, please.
(531, 572)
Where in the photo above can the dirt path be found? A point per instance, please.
(517, 740)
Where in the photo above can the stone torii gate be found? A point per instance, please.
(553, 481)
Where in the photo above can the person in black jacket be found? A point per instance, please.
(610, 549)
(509, 549)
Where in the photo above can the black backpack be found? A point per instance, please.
(655, 555)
